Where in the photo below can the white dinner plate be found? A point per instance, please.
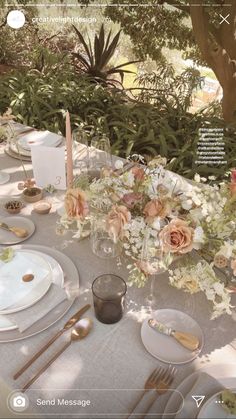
(7, 237)
(72, 289)
(4, 177)
(19, 150)
(214, 409)
(6, 324)
(224, 373)
(24, 294)
(166, 348)
(57, 279)
(42, 138)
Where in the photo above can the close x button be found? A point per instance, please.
(224, 19)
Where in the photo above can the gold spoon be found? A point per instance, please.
(19, 232)
(80, 331)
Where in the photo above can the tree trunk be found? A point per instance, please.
(219, 52)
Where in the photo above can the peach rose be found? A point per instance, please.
(177, 237)
(130, 199)
(76, 204)
(116, 219)
(233, 266)
(28, 183)
(156, 208)
(138, 173)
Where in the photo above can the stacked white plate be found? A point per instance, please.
(34, 138)
(17, 295)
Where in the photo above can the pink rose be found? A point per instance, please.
(130, 199)
(138, 173)
(157, 208)
(233, 266)
(116, 219)
(232, 185)
(177, 237)
(76, 204)
(233, 176)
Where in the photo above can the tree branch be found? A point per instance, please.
(177, 5)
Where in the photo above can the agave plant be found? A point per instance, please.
(95, 60)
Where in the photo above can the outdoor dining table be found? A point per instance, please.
(111, 364)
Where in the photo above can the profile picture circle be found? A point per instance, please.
(15, 19)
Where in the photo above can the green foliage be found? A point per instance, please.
(163, 24)
(95, 60)
(153, 28)
(177, 89)
(15, 44)
(149, 128)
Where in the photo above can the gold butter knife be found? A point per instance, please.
(187, 340)
(67, 326)
(19, 232)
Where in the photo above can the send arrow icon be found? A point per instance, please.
(198, 400)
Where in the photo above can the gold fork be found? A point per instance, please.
(163, 385)
(159, 375)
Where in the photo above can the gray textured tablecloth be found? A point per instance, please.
(111, 364)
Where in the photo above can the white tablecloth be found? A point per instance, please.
(111, 362)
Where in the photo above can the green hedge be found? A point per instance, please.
(132, 125)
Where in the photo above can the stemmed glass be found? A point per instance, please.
(80, 150)
(100, 156)
(153, 261)
(103, 245)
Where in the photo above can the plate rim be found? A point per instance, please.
(195, 353)
(70, 301)
(33, 226)
(209, 401)
(14, 326)
(28, 148)
(205, 369)
(16, 310)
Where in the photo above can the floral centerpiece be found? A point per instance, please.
(151, 202)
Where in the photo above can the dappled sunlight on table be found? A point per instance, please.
(62, 374)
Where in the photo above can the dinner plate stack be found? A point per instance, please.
(29, 284)
(21, 148)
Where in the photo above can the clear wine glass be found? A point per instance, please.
(80, 150)
(100, 156)
(103, 245)
(153, 261)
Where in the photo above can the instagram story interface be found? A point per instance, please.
(118, 209)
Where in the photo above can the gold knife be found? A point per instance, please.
(187, 340)
(67, 326)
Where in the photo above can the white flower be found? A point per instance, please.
(226, 250)
(198, 237)
(197, 178)
(156, 224)
(119, 164)
(187, 204)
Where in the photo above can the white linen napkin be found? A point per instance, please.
(12, 287)
(26, 318)
(204, 385)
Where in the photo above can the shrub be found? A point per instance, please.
(133, 126)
